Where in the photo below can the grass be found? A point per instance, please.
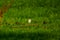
(16, 26)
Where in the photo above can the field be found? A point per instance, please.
(45, 17)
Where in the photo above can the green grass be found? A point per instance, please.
(15, 21)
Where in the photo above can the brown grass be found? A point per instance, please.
(4, 9)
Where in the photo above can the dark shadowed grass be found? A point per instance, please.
(19, 34)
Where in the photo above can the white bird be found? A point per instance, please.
(29, 20)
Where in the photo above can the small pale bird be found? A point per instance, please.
(29, 20)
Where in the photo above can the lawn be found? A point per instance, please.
(45, 20)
